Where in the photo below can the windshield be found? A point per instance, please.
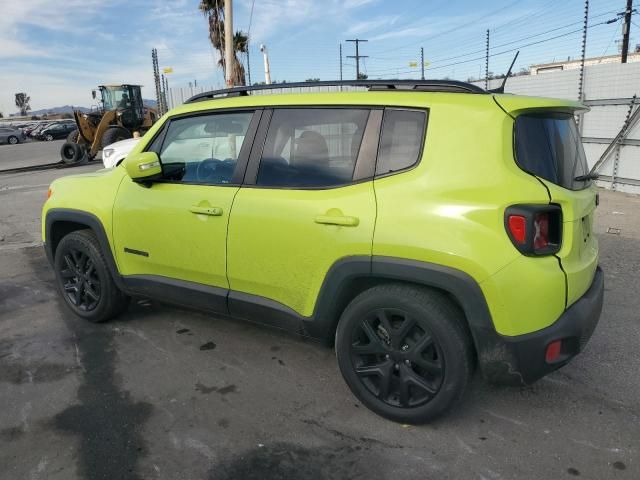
(549, 146)
(115, 98)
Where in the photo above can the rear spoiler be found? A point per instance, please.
(514, 105)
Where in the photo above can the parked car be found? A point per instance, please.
(116, 152)
(38, 128)
(11, 135)
(56, 131)
(420, 227)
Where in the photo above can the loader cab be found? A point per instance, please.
(126, 100)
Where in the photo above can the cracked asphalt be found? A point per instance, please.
(166, 393)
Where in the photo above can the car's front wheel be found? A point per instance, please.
(404, 352)
(84, 280)
(13, 140)
(48, 138)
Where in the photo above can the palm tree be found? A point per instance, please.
(214, 11)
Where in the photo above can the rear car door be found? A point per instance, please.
(307, 202)
(548, 145)
(175, 230)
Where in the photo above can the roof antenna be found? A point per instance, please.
(500, 89)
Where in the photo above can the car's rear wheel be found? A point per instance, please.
(13, 140)
(84, 280)
(404, 352)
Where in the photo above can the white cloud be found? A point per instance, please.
(374, 24)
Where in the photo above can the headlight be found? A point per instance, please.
(107, 152)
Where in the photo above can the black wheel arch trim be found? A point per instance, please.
(92, 222)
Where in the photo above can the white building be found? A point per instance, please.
(575, 64)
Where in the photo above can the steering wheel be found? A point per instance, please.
(207, 169)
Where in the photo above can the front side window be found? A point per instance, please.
(401, 141)
(312, 147)
(205, 148)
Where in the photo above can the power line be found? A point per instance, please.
(507, 51)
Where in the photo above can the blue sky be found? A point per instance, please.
(58, 51)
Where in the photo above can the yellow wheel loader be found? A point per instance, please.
(121, 115)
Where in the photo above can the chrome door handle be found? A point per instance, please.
(341, 220)
(212, 211)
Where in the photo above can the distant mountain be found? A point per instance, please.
(69, 108)
(57, 110)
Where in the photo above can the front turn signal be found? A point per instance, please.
(49, 193)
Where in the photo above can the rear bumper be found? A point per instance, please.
(521, 359)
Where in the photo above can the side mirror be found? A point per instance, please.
(93, 94)
(143, 167)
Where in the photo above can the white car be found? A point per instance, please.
(114, 153)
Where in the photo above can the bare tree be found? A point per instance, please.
(22, 102)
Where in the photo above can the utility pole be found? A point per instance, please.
(253, 3)
(486, 65)
(156, 78)
(340, 61)
(422, 62)
(357, 56)
(584, 52)
(228, 43)
(163, 95)
(626, 27)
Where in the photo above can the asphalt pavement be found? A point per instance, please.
(167, 393)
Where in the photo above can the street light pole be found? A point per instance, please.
(267, 72)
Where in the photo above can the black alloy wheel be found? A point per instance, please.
(405, 351)
(84, 279)
(81, 281)
(397, 358)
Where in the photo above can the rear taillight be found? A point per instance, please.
(535, 229)
(518, 228)
(540, 231)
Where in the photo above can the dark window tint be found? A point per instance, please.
(401, 142)
(315, 147)
(204, 148)
(156, 143)
(550, 147)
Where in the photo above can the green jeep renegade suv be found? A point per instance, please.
(421, 227)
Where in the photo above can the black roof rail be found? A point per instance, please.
(451, 86)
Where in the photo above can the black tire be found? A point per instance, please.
(13, 140)
(49, 138)
(424, 351)
(114, 134)
(73, 153)
(83, 278)
(74, 137)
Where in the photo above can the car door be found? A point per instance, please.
(306, 203)
(173, 232)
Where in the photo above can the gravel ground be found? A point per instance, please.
(165, 393)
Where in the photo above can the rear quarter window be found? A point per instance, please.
(549, 146)
(401, 140)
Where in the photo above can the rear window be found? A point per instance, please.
(549, 146)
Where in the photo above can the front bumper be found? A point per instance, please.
(520, 360)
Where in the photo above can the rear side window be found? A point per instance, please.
(401, 141)
(549, 146)
(312, 147)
